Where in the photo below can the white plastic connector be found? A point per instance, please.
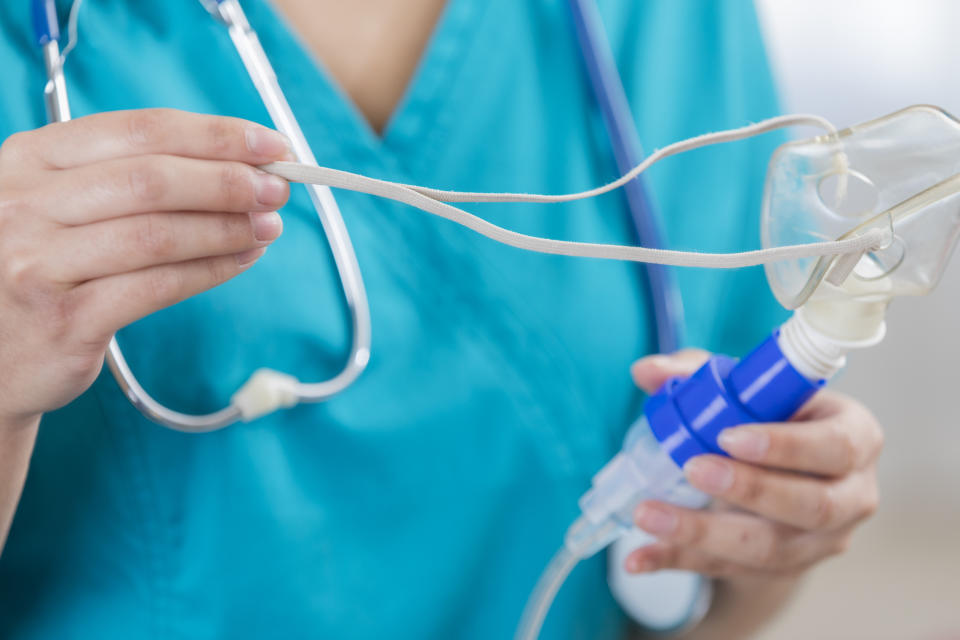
(841, 166)
(613, 487)
(266, 391)
(814, 354)
(843, 267)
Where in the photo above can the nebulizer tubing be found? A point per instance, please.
(544, 592)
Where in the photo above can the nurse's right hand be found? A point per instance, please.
(108, 218)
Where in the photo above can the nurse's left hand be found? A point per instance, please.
(791, 495)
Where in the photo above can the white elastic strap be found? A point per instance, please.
(434, 201)
(869, 241)
(842, 268)
(704, 140)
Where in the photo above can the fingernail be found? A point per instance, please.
(267, 142)
(644, 369)
(267, 225)
(270, 189)
(745, 443)
(659, 361)
(655, 519)
(251, 255)
(709, 474)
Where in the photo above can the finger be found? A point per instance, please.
(664, 556)
(122, 134)
(736, 537)
(135, 242)
(157, 183)
(109, 304)
(834, 445)
(651, 372)
(797, 500)
(660, 556)
(823, 404)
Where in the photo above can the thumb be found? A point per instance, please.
(651, 372)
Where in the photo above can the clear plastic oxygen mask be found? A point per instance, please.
(898, 176)
(900, 172)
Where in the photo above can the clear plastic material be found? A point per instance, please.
(900, 171)
(543, 594)
(641, 471)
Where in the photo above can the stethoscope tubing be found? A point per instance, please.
(607, 87)
(47, 34)
(608, 91)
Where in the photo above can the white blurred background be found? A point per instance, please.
(851, 61)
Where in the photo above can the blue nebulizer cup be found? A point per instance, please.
(683, 420)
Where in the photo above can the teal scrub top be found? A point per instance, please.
(424, 500)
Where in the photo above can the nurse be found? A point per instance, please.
(423, 501)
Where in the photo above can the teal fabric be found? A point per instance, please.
(423, 501)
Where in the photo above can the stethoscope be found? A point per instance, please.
(266, 389)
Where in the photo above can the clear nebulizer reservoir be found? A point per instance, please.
(682, 420)
(642, 470)
(899, 174)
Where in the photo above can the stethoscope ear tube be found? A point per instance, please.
(58, 110)
(55, 93)
(46, 31)
(46, 26)
(282, 389)
(266, 390)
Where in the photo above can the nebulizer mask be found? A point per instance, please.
(851, 219)
(898, 175)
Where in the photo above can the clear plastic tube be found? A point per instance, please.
(583, 539)
(543, 594)
(640, 471)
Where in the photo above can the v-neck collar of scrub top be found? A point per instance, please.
(320, 103)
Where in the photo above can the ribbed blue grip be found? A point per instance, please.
(688, 415)
(767, 384)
